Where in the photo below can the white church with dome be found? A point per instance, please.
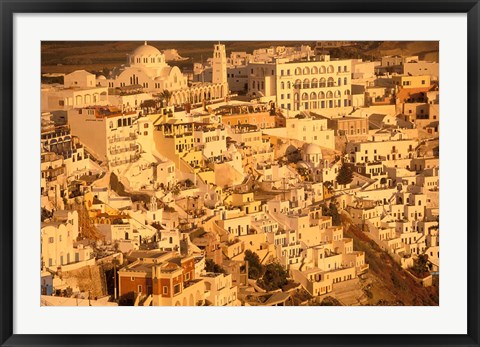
(146, 68)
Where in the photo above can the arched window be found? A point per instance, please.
(322, 69)
(338, 94)
(306, 83)
(330, 69)
(298, 84)
(330, 82)
(329, 95)
(314, 70)
(304, 96)
(339, 81)
(306, 71)
(321, 95)
(345, 80)
(323, 82)
(313, 96)
(282, 85)
(314, 83)
(298, 71)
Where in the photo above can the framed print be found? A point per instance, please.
(193, 173)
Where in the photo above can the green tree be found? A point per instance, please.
(275, 277)
(255, 268)
(148, 105)
(176, 190)
(330, 301)
(211, 266)
(332, 211)
(166, 95)
(420, 265)
(345, 175)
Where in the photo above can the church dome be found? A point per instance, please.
(313, 149)
(146, 56)
(146, 50)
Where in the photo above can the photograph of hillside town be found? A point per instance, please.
(246, 173)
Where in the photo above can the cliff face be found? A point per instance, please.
(386, 283)
(426, 50)
(88, 279)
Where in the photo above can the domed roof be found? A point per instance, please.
(313, 149)
(101, 77)
(145, 50)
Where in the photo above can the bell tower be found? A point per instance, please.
(219, 64)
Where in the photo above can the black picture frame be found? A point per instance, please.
(10, 7)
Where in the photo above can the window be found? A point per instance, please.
(140, 288)
(165, 290)
(176, 289)
(50, 240)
